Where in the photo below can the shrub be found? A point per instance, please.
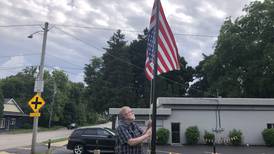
(209, 138)
(268, 135)
(162, 135)
(235, 137)
(192, 135)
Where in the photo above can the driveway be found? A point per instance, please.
(8, 141)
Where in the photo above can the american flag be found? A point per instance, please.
(167, 54)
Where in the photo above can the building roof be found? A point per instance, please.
(12, 108)
(243, 104)
(214, 101)
(142, 111)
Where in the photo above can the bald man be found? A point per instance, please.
(129, 135)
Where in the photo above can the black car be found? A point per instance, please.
(83, 140)
(72, 126)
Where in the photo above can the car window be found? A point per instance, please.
(102, 132)
(90, 132)
(76, 133)
(111, 131)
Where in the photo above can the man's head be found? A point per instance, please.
(127, 114)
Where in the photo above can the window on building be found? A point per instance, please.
(13, 121)
(159, 123)
(270, 125)
(2, 123)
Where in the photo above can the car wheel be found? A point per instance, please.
(78, 149)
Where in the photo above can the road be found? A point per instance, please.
(8, 141)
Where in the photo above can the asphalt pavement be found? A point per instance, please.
(168, 149)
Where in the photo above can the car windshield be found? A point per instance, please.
(110, 131)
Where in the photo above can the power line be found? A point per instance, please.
(65, 61)
(25, 54)
(124, 61)
(69, 68)
(14, 67)
(105, 29)
(117, 58)
(26, 25)
(129, 30)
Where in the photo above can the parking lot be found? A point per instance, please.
(203, 149)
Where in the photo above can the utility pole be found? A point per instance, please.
(39, 86)
(52, 102)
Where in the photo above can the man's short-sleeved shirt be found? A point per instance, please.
(125, 132)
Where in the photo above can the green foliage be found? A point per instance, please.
(268, 135)
(114, 82)
(209, 138)
(1, 104)
(192, 135)
(235, 137)
(242, 63)
(162, 136)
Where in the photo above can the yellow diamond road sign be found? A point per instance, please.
(36, 103)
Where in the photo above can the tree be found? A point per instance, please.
(1, 104)
(175, 83)
(117, 71)
(242, 63)
(140, 85)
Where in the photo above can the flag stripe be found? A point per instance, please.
(164, 29)
(167, 54)
(161, 61)
(168, 51)
(168, 31)
(162, 50)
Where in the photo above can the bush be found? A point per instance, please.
(162, 136)
(268, 135)
(235, 137)
(192, 135)
(209, 138)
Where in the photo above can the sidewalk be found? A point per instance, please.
(40, 148)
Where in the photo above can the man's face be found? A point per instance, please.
(129, 114)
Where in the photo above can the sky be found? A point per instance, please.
(79, 29)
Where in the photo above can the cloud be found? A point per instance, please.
(72, 47)
(12, 66)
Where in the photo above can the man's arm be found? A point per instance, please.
(140, 139)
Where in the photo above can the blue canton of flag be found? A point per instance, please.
(151, 44)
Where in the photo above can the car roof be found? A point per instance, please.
(85, 128)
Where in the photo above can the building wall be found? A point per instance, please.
(251, 123)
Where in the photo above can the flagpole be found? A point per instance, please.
(154, 100)
(150, 113)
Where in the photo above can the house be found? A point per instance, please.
(12, 116)
(216, 115)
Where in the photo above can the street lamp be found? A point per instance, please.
(31, 35)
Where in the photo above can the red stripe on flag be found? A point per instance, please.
(169, 53)
(166, 55)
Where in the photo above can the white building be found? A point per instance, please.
(250, 115)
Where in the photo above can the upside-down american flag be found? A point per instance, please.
(167, 54)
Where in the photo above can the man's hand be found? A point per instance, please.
(148, 132)
(149, 124)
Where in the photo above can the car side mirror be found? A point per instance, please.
(110, 136)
